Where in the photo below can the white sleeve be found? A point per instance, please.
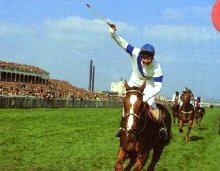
(120, 41)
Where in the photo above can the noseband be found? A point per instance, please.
(134, 114)
(135, 91)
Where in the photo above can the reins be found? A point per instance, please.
(134, 114)
(145, 121)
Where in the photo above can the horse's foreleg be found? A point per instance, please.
(189, 126)
(157, 151)
(197, 121)
(141, 161)
(200, 120)
(133, 159)
(122, 155)
(174, 120)
(180, 125)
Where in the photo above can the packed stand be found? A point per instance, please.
(22, 67)
(55, 89)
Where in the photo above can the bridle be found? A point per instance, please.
(133, 91)
(133, 114)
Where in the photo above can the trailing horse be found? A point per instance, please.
(175, 111)
(140, 133)
(186, 113)
(199, 114)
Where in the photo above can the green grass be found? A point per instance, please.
(83, 139)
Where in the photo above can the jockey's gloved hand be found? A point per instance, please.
(112, 29)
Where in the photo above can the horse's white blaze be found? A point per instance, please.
(133, 99)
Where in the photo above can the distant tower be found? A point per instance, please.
(93, 78)
(90, 75)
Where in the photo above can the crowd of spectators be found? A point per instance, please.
(55, 89)
(22, 67)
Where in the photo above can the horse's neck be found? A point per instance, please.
(186, 103)
(147, 116)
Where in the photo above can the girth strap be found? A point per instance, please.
(189, 112)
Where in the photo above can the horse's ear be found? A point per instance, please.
(126, 85)
(143, 86)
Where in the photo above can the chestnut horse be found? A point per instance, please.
(199, 114)
(175, 110)
(140, 133)
(186, 113)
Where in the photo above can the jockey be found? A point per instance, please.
(176, 98)
(197, 102)
(145, 68)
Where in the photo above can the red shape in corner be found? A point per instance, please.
(216, 15)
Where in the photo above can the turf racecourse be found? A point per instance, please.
(82, 139)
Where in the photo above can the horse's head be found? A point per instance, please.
(186, 97)
(133, 106)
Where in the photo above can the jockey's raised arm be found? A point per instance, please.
(119, 40)
(144, 68)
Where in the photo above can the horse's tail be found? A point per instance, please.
(167, 120)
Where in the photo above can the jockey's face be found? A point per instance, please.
(147, 58)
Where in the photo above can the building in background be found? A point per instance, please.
(22, 73)
(118, 87)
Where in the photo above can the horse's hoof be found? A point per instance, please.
(188, 138)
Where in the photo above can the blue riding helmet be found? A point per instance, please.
(148, 48)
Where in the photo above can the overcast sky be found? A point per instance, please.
(61, 36)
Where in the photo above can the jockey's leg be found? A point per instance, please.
(156, 114)
(118, 133)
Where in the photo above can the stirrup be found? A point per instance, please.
(163, 133)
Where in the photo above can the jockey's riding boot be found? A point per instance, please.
(118, 133)
(163, 130)
(156, 114)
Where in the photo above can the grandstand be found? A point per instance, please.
(26, 80)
